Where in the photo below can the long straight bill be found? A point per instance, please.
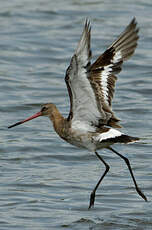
(28, 119)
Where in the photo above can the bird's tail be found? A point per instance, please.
(126, 139)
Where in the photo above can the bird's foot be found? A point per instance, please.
(141, 194)
(92, 200)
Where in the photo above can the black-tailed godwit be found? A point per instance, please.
(91, 123)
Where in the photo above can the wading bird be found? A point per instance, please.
(91, 123)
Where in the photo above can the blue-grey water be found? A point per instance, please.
(44, 182)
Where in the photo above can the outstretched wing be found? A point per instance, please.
(83, 107)
(102, 72)
(91, 87)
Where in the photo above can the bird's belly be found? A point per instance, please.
(87, 140)
(80, 140)
(84, 140)
(89, 143)
(83, 143)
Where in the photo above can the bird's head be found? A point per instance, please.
(46, 110)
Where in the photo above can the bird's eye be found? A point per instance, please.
(43, 109)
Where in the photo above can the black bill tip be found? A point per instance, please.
(18, 123)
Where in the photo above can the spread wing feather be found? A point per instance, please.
(83, 109)
(91, 87)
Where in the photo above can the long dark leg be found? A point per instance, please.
(132, 175)
(92, 196)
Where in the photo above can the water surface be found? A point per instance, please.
(45, 183)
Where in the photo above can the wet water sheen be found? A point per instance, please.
(44, 182)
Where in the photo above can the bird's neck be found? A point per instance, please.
(58, 121)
